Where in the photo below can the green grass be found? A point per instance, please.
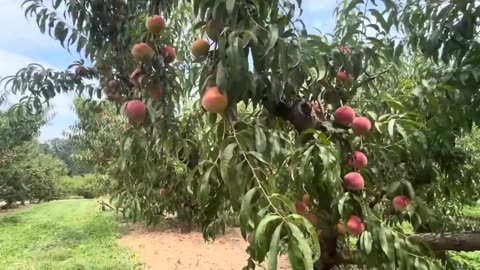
(63, 235)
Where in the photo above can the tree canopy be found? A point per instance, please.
(233, 106)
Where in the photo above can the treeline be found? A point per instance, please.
(34, 172)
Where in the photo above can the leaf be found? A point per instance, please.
(384, 244)
(274, 248)
(303, 247)
(273, 35)
(391, 127)
(230, 6)
(366, 240)
(225, 158)
(260, 139)
(261, 239)
(393, 187)
(246, 210)
(204, 190)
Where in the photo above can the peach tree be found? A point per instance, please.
(323, 144)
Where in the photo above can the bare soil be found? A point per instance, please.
(8, 211)
(169, 249)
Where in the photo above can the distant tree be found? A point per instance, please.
(64, 148)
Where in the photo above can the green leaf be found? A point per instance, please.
(260, 139)
(384, 243)
(274, 248)
(230, 6)
(246, 210)
(393, 187)
(302, 246)
(225, 158)
(204, 191)
(261, 239)
(391, 127)
(273, 35)
(366, 242)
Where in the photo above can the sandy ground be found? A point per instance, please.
(169, 249)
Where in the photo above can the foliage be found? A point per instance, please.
(414, 69)
(88, 186)
(69, 234)
(26, 172)
(64, 149)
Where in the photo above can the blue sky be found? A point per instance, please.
(21, 43)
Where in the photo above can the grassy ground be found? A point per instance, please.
(70, 234)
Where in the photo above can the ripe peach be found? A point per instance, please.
(306, 198)
(301, 207)
(213, 101)
(344, 76)
(142, 52)
(341, 229)
(155, 24)
(353, 181)
(163, 192)
(156, 92)
(214, 28)
(344, 115)
(400, 203)
(361, 125)
(355, 225)
(168, 54)
(200, 48)
(358, 160)
(318, 109)
(135, 110)
(311, 217)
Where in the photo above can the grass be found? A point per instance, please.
(69, 234)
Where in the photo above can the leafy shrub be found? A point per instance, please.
(87, 186)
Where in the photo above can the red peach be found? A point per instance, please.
(354, 181)
(344, 76)
(163, 192)
(155, 24)
(301, 207)
(400, 203)
(168, 54)
(355, 225)
(135, 110)
(344, 115)
(312, 218)
(156, 92)
(358, 160)
(142, 52)
(213, 101)
(361, 125)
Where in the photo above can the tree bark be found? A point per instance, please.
(458, 241)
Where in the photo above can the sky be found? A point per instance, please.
(21, 43)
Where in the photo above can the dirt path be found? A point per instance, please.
(169, 250)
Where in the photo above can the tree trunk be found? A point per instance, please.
(458, 241)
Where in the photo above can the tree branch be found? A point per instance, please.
(457, 241)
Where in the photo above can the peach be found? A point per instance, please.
(306, 198)
(142, 52)
(354, 181)
(344, 76)
(312, 218)
(81, 71)
(200, 48)
(358, 160)
(168, 54)
(155, 24)
(135, 110)
(213, 101)
(214, 28)
(113, 85)
(301, 207)
(341, 229)
(400, 203)
(156, 92)
(163, 192)
(361, 125)
(318, 109)
(355, 225)
(344, 115)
